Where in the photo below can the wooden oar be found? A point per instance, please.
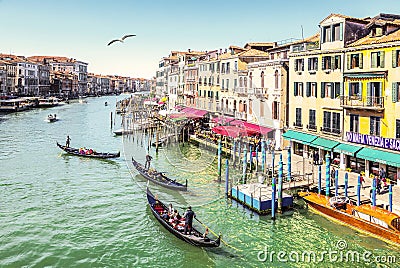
(226, 244)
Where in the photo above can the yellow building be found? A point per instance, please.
(344, 92)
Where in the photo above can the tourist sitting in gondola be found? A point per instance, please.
(165, 215)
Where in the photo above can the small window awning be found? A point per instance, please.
(299, 136)
(369, 75)
(379, 156)
(222, 119)
(250, 126)
(347, 149)
(324, 144)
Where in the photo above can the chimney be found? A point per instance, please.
(188, 49)
(220, 51)
(226, 50)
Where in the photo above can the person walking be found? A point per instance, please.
(68, 141)
(333, 176)
(189, 215)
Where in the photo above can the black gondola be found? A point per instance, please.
(92, 154)
(159, 178)
(196, 238)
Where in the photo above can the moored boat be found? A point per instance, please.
(52, 118)
(87, 152)
(158, 177)
(375, 221)
(48, 102)
(196, 238)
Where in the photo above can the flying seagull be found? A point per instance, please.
(122, 39)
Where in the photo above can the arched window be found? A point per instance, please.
(234, 105)
(200, 81)
(205, 80)
(262, 79)
(276, 79)
(244, 107)
(251, 80)
(241, 81)
(245, 82)
(240, 106)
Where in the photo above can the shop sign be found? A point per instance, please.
(376, 141)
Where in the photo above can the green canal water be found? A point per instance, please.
(58, 210)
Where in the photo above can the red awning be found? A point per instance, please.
(222, 119)
(233, 131)
(250, 126)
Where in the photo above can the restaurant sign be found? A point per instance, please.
(386, 143)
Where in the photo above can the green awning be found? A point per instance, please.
(347, 149)
(299, 136)
(383, 157)
(324, 143)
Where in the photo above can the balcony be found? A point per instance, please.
(226, 111)
(297, 124)
(259, 92)
(362, 102)
(312, 127)
(191, 79)
(240, 90)
(241, 115)
(329, 130)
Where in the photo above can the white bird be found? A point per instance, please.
(122, 39)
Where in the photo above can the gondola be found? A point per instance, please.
(196, 238)
(92, 154)
(158, 177)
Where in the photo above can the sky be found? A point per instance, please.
(81, 29)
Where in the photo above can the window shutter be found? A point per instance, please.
(309, 63)
(308, 89)
(316, 64)
(348, 62)
(322, 89)
(339, 61)
(382, 58)
(360, 89)
(394, 92)
(341, 31)
(323, 63)
(394, 59)
(360, 60)
(332, 62)
(302, 64)
(295, 65)
(332, 90)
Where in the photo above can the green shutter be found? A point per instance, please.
(323, 63)
(348, 62)
(394, 65)
(322, 89)
(374, 59)
(332, 90)
(382, 58)
(360, 61)
(394, 92)
(341, 31)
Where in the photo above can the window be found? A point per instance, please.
(222, 84)
(234, 83)
(335, 90)
(276, 79)
(326, 62)
(299, 65)
(245, 82)
(227, 68)
(298, 118)
(313, 64)
(327, 121)
(354, 123)
(397, 129)
(298, 88)
(354, 61)
(326, 88)
(337, 32)
(275, 110)
(355, 90)
(227, 84)
(311, 89)
(251, 80)
(241, 82)
(331, 122)
(395, 91)
(223, 68)
(262, 79)
(236, 66)
(378, 59)
(311, 120)
(337, 62)
(375, 126)
(335, 123)
(395, 58)
(326, 34)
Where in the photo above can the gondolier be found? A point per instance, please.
(67, 142)
(148, 160)
(189, 214)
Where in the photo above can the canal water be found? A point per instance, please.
(58, 210)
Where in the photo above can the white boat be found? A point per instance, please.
(52, 118)
(48, 102)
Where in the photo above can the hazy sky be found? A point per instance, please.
(81, 29)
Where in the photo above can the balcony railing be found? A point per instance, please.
(297, 124)
(190, 79)
(330, 130)
(240, 90)
(312, 127)
(362, 102)
(241, 115)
